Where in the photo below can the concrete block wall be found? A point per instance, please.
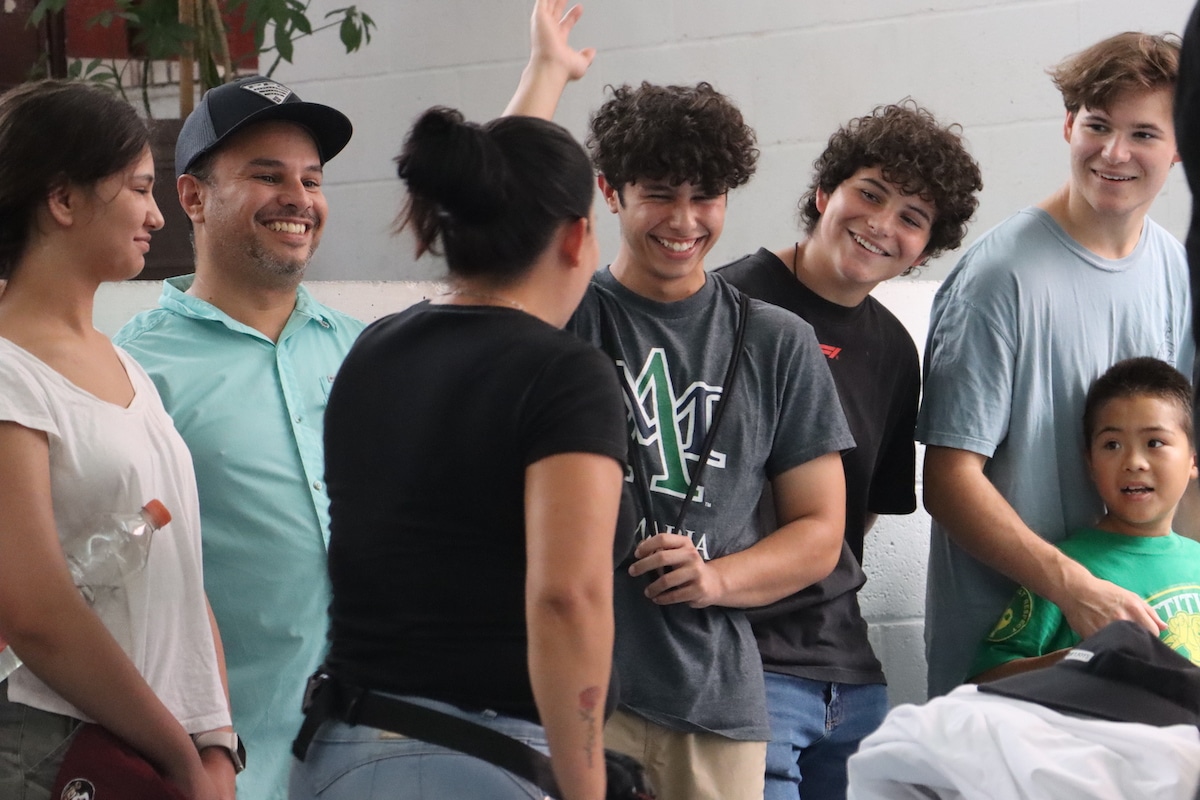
(797, 68)
(895, 554)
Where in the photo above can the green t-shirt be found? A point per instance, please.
(1164, 570)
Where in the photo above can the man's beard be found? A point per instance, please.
(280, 272)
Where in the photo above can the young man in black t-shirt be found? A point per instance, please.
(891, 189)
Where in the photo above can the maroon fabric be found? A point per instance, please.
(99, 766)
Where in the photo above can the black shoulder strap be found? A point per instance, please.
(719, 412)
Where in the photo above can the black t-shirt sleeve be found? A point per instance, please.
(576, 407)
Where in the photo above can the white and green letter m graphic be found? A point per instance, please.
(675, 425)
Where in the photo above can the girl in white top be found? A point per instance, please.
(82, 431)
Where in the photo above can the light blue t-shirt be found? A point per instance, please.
(251, 411)
(1019, 330)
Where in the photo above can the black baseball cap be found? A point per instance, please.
(1122, 673)
(228, 108)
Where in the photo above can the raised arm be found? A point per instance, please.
(49, 635)
(810, 503)
(977, 517)
(553, 63)
(571, 502)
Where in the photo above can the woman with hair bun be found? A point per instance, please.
(83, 433)
(474, 460)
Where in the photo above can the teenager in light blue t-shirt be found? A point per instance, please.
(1034, 312)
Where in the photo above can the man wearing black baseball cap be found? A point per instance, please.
(244, 358)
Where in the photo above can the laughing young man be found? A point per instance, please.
(692, 705)
(890, 190)
(1035, 311)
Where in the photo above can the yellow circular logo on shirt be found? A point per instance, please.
(1179, 607)
(1015, 617)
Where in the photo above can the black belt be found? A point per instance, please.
(326, 697)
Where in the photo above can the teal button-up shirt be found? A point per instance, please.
(251, 411)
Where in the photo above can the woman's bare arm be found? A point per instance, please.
(571, 502)
(58, 637)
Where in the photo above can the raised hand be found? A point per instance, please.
(549, 31)
(553, 62)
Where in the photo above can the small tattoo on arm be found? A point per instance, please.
(589, 698)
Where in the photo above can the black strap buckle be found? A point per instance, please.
(317, 682)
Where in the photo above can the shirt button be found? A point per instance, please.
(324, 324)
(299, 418)
(317, 485)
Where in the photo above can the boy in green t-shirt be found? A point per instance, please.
(1137, 425)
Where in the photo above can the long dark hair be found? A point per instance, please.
(490, 197)
(54, 133)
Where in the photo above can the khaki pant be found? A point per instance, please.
(690, 766)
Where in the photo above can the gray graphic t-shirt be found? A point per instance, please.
(698, 670)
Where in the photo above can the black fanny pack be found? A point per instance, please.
(326, 697)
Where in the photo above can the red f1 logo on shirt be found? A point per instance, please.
(830, 351)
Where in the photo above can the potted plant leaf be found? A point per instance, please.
(183, 47)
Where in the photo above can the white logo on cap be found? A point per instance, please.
(275, 92)
(1079, 655)
(78, 789)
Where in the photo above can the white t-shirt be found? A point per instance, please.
(104, 458)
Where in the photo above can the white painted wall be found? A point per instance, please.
(894, 597)
(797, 68)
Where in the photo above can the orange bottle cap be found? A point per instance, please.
(158, 513)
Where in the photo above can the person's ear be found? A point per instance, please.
(612, 197)
(1068, 126)
(63, 204)
(576, 236)
(822, 200)
(191, 196)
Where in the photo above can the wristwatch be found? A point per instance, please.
(227, 740)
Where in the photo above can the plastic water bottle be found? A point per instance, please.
(116, 547)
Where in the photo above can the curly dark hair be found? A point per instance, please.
(1093, 77)
(674, 134)
(915, 152)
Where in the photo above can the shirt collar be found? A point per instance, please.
(175, 298)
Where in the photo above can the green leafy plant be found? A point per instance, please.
(160, 32)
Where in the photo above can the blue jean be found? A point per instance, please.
(348, 762)
(815, 728)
